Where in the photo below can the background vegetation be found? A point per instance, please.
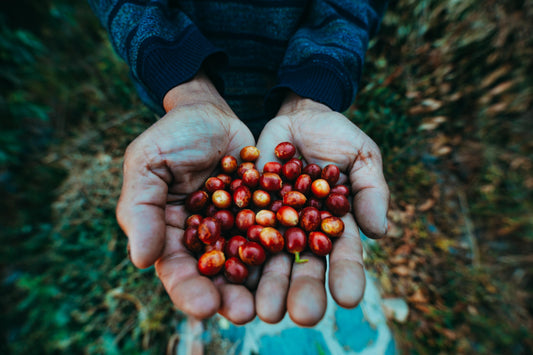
(447, 95)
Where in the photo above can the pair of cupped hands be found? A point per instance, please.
(178, 153)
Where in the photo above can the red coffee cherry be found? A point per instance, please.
(310, 219)
(337, 204)
(196, 201)
(249, 153)
(209, 230)
(252, 253)
(319, 243)
(228, 164)
(211, 262)
(296, 242)
(272, 239)
(331, 174)
(235, 271)
(285, 151)
(287, 216)
(320, 188)
(332, 226)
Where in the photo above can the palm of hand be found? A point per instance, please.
(324, 137)
(162, 166)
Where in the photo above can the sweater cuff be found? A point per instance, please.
(319, 79)
(163, 65)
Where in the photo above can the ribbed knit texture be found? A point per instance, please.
(314, 48)
(164, 63)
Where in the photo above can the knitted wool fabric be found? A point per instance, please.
(254, 50)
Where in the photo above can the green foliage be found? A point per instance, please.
(67, 284)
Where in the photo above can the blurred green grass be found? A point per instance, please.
(446, 94)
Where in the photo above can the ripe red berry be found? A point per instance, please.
(291, 170)
(213, 183)
(332, 226)
(244, 219)
(310, 219)
(261, 198)
(228, 164)
(272, 167)
(242, 196)
(231, 248)
(252, 253)
(337, 204)
(253, 232)
(221, 199)
(294, 199)
(247, 165)
(272, 239)
(331, 174)
(320, 188)
(303, 184)
(193, 220)
(287, 216)
(226, 219)
(313, 170)
(209, 230)
(249, 153)
(235, 270)
(251, 177)
(341, 189)
(285, 151)
(191, 240)
(296, 242)
(235, 184)
(211, 262)
(226, 178)
(319, 243)
(285, 187)
(297, 161)
(266, 218)
(196, 201)
(270, 182)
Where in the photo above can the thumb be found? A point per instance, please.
(276, 131)
(141, 209)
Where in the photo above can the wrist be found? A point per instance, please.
(295, 103)
(199, 90)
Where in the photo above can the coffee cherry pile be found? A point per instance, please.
(242, 215)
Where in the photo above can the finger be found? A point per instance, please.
(346, 273)
(192, 293)
(176, 215)
(307, 300)
(371, 193)
(141, 208)
(276, 131)
(237, 302)
(271, 294)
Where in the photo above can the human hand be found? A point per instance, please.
(323, 137)
(162, 166)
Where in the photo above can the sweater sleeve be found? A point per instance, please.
(325, 56)
(161, 45)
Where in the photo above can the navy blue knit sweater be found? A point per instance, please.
(253, 49)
